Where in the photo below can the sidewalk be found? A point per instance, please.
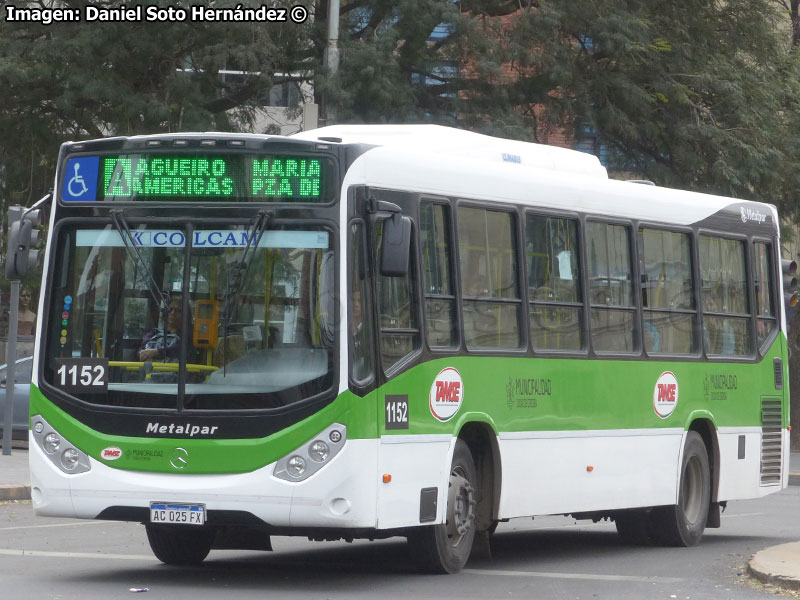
(15, 478)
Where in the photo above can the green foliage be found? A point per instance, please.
(691, 93)
(80, 80)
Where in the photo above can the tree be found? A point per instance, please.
(693, 94)
(79, 80)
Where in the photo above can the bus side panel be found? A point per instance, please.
(586, 471)
(739, 472)
(414, 463)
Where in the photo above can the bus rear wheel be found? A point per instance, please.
(445, 548)
(179, 546)
(683, 524)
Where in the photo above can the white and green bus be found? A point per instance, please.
(375, 331)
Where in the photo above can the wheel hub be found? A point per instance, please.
(460, 508)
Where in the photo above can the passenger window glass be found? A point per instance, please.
(556, 307)
(667, 292)
(726, 322)
(610, 287)
(488, 264)
(765, 296)
(397, 312)
(435, 238)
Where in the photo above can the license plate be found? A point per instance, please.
(182, 514)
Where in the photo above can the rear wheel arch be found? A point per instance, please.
(705, 427)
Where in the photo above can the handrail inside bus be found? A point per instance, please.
(133, 365)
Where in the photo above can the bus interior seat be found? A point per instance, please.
(229, 349)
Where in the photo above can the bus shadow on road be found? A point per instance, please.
(362, 564)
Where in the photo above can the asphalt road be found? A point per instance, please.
(550, 557)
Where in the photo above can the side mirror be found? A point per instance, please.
(395, 246)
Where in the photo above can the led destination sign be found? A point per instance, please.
(169, 177)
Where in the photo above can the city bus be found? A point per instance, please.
(362, 332)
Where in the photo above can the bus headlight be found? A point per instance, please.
(296, 466)
(319, 451)
(70, 460)
(312, 456)
(51, 443)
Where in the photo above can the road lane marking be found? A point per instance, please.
(93, 556)
(588, 576)
(55, 525)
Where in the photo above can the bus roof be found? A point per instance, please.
(458, 142)
(430, 170)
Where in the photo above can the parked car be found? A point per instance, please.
(22, 391)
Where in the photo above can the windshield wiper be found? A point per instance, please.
(234, 283)
(160, 297)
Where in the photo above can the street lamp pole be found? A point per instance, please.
(332, 55)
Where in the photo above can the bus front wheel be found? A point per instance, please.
(445, 548)
(683, 524)
(180, 546)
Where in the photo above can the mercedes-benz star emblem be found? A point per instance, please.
(179, 458)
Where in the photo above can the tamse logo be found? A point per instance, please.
(446, 394)
(665, 394)
(448, 391)
(111, 453)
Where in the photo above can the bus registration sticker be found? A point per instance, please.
(446, 395)
(665, 394)
(185, 514)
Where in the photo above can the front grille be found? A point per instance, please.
(771, 441)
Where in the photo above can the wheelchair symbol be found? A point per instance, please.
(77, 180)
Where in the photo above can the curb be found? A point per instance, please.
(763, 565)
(15, 492)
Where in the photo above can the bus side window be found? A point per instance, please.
(360, 330)
(435, 235)
(397, 311)
(555, 295)
(610, 287)
(488, 264)
(667, 292)
(726, 315)
(765, 296)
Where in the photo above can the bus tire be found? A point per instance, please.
(445, 548)
(178, 546)
(683, 524)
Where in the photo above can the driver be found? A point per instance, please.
(161, 344)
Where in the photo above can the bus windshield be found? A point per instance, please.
(238, 324)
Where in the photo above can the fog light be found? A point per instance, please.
(319, 451)
(296, 466)
(51, 442)
(38, 427)
(69, 458)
